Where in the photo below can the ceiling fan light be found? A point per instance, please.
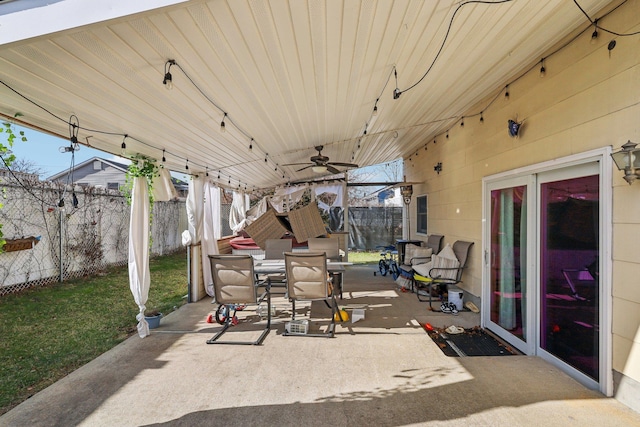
(319, 169)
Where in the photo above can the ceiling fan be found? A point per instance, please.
(321, 164)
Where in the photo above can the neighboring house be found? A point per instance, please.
(103, 173)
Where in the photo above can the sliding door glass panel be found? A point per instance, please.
(569, 276)
(508, 278)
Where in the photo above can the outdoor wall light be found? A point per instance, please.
(628, 160)
(407, 192)
(438, 168)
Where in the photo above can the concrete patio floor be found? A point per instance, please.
(380, 371)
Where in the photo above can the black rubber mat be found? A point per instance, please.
(472, 342)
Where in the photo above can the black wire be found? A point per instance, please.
(594, 22)
(446, 36)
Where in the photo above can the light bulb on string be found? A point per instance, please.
(164, 159)
(506, 92)
(462, 122)
(123, 146)
(375, 108)
(481, 118)
(251, 144)
(543, 70)
(218, 174)
(223, 127)
(168, 78)
(186, 166)
(594, 35)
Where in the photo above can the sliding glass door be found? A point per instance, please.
(542, 286)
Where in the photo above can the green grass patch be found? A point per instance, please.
(48, 332)
(364, 257)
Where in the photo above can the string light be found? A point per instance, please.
(223, 128)
(396, 91)
(123, 146)
(506, 92)
(218, 174)
(481, 117)
(186, 166)
(375, 108)
(206, 171)
(164, 159)
(251, 144)
(168, 79)
(543, 70)
(462, 122)
(594, 35)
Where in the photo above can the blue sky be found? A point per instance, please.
(44, 151)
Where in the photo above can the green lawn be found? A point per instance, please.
(48, 332)
(364, 257)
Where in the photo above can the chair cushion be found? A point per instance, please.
(446, 259)
(423, 269)
(420, 256)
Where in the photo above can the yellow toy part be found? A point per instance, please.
(341, 316)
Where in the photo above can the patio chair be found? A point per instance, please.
(234, 283)
(444, 269)
(308, 280)
(415, 255)
(274, 250)
(330, 246)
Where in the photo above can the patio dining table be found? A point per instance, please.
(276, 266)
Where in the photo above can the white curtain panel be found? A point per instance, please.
(139, 275)
(237, 216)
(163, 189)
(195, 208)
(212, 231)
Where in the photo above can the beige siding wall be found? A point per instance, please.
(590, 98)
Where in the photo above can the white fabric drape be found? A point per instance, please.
(195, 209)
(237, 216)
(163, 189)
(212, 231)
(257, 210)
(337, 189)
(291, 195)
(139, 275)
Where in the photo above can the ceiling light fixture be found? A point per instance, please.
(168, 79)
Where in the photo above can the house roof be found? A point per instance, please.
(285, 76)
(117, 165)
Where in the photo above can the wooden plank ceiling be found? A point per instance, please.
(290, 74)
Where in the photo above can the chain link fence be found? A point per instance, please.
(47, 243)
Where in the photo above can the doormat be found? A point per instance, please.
(471, 342)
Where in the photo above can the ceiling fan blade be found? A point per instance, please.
(296, 164)
(332, 169)
(346, 165)
(306, 167)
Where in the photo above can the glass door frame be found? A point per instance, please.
(532, 346)
(528, 345)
